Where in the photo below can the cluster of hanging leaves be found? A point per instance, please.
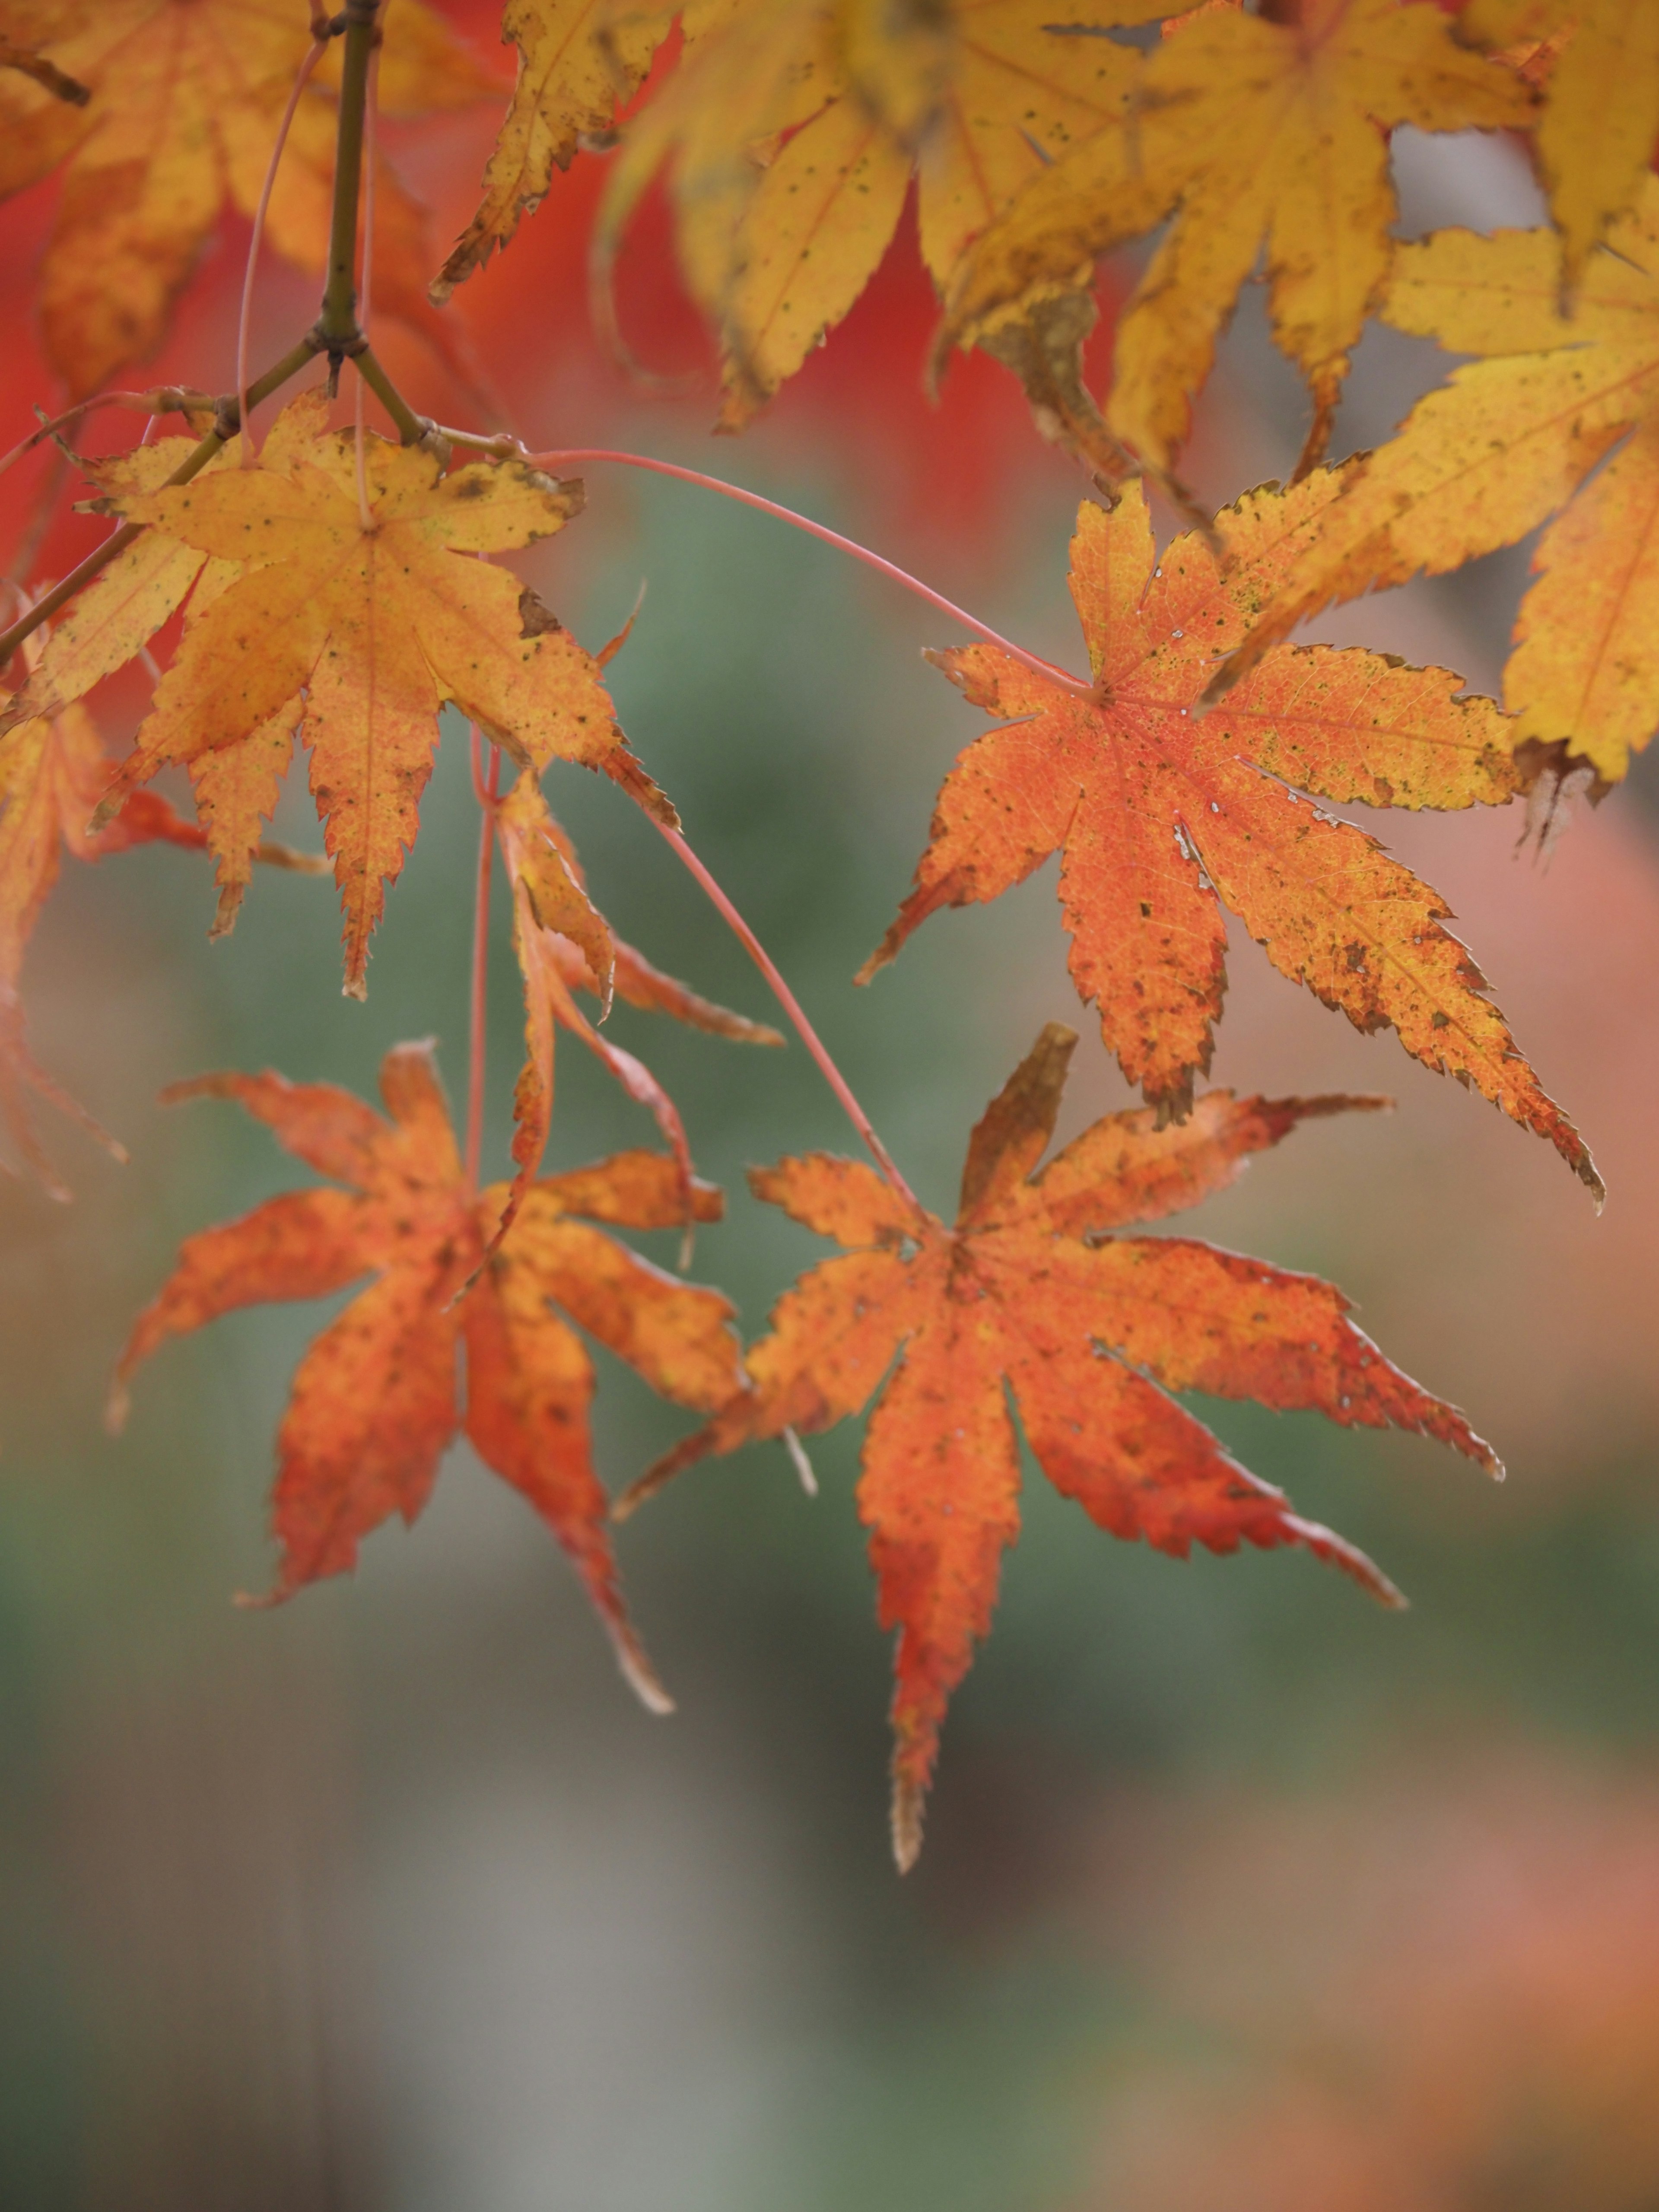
(341, 590)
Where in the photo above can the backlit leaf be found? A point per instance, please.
(1259, 134)
(376, 1399)
(1032, 1304)
(362, 635)
(1164, 820)
(1508, 441)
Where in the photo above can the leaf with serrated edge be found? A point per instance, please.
(1508, 441)
(380, 628)
(1028, 1305)
(375, 1401)
(1162, 819)
(1256, 136)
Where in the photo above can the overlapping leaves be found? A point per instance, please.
(185, 96)
(1512, 438)
(793, 130)
(350, 615)
(1260, 132)
(1032, 1293)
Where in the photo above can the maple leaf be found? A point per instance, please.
(374, 1400)
(578, 61)
(185, 96)
(1265, 132)
(792, 132)
(357, 638)
(1595, 137)
(1507, 441)
(53, 772)
(1164, 820)
(564, 944)
(1029, 1293)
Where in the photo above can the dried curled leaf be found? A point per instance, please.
(1033, 1298)
(1164, 820)
(564, 943)
(375, 1401)
(1256, 135)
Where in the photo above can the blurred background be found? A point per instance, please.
(1239, 1895)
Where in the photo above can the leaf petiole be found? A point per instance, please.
(575, 456)
(792, 1006)
(488, 789)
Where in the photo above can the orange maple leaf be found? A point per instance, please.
(374, 1400)
(1029, 1293)
(1163, 820)
(357, 636)
(185, 100)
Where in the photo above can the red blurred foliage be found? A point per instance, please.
(1439, 1995)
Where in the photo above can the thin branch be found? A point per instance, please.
(792, 1006)
(576, 456)
(337, 324)
(365, 516)
(319, 48)
(228, 415)
(164, 399)
(488, 789)
(412, 428)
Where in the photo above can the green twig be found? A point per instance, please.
(336, 326)
(411, 427)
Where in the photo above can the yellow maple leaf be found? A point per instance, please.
(185, 98)
(795, 126)
(1507, 441)
(356, 636)
(1600, 120)
(577, 60)
(1255, 135)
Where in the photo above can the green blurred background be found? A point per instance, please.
(1237, 1892)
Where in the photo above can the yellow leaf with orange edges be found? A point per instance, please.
(1031, 1302)
(379, 627)
(1259, 137)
